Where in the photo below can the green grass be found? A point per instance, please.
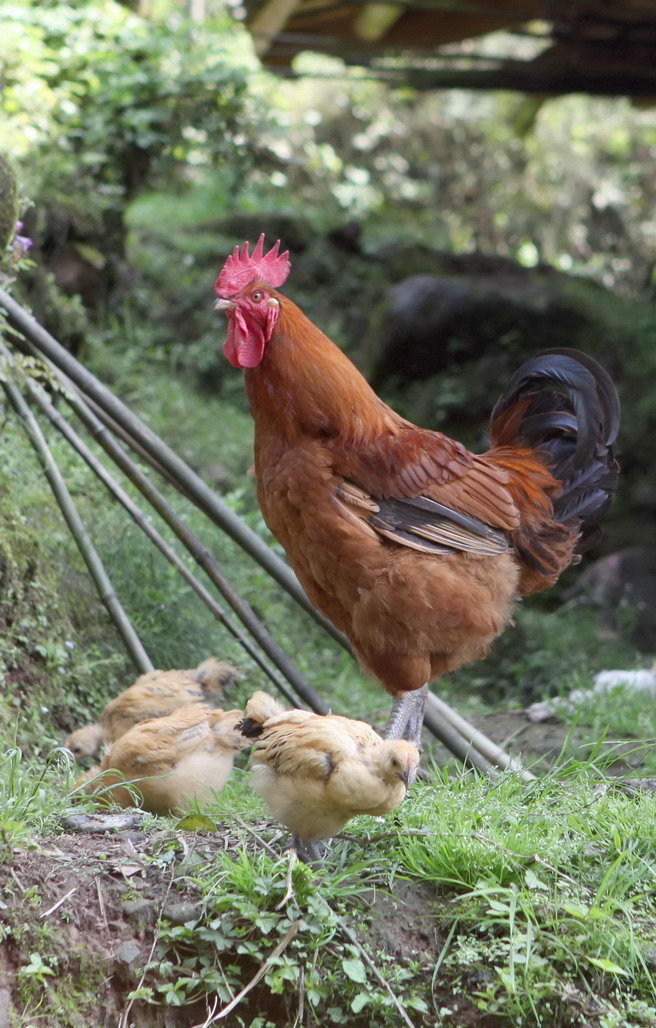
(542, 898)
(538, 898)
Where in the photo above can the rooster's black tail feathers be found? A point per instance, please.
(565, 405)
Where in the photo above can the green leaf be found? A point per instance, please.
(533, 882)
(355, 969)
(359, 1002)
(196, 823)
(607, 965)
(91, 255)
(497, 907)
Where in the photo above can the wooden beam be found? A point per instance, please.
(269, 20)
(631, 80)
(375, 20)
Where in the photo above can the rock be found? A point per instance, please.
(181, 913)
(429, 321)
(541, 710)
(142, 912)
(622, 586)
(642, 680)
(295, 233)
(89, 823)
(634, 786)
(128, 953)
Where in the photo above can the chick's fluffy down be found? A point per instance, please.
(316, 772)
(154, 694)
(166, 764)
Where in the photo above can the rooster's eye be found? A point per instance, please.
(257, 296)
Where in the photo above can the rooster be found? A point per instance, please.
(315, 772)
(413, 546)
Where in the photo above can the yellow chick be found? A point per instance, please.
(316, 772)
(86, 742)
(154, 694)
(170, 762)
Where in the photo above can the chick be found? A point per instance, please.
(170, 762)
(315, 772)
(86, 742)
(154, 694)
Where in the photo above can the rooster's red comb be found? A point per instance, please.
(242, 268)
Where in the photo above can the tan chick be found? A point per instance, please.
(154, 694)
(316, 772)
(170, 762)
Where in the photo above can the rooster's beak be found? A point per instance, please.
(224, 305)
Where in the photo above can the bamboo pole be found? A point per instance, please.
(193, 544)
(72, 517)
(463, 739)
(187, 479)
(202, 556)
(167, 551)
(437, 709)
(457, 743)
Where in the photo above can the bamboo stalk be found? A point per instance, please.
(144, 524)
(202, 556)
(465, 741)
(72, 517)
(193, 544)
(477, 740)
(187, 479)
(458, 744)
(115, 427)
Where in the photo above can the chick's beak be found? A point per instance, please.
(224, 305)
(408, 774)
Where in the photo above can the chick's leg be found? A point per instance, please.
(406, 718)
(308, 850)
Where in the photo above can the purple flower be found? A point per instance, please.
(21, 243)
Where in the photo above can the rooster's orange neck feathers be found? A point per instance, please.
(305, 384)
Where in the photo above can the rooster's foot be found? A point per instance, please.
(406, 718)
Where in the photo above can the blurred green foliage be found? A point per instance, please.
(99, 102)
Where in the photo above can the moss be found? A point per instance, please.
(8, 204)
(50, 642)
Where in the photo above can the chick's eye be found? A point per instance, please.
(257, 296)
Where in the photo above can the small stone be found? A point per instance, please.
(181, 913)
(634, 786)
(128, 953)
(540, 711)
(89, 823)
(141, 911)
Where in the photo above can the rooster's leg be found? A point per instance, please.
(460, 737)
(406, 718)
(308, 850)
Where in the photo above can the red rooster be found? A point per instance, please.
(416, 548)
